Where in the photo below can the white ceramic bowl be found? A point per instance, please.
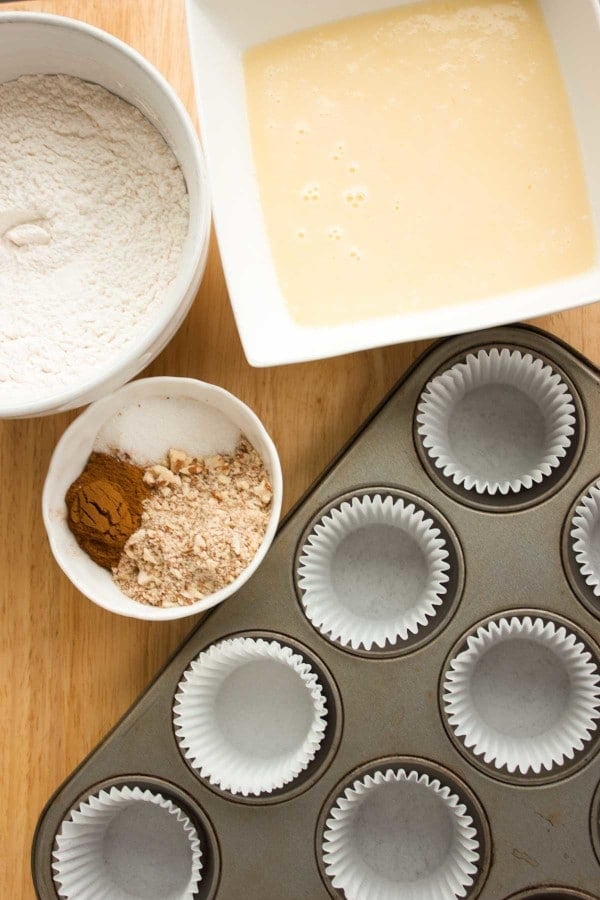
(219, 33)
(70, 457)
(33, 43)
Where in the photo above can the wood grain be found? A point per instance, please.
(69, 669)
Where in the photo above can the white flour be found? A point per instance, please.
(93, 216)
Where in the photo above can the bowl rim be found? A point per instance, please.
(80, 425)
(196, 243)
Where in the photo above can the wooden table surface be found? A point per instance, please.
(70, 669)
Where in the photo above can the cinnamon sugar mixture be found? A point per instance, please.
(201, 527)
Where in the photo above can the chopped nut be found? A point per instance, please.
(264, 492)
(191, 594)
(148, 556)
(192, 469)
(199, 544)
(164, 476)
(201, 527)
(144, 578)
(177, 460)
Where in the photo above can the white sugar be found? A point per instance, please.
(148, 429)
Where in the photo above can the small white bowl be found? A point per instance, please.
(71, 455)
(36, 43)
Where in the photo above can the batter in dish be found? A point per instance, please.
(420, 156)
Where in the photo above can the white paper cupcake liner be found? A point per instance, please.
(373, 571)
(126, 842)
(250, 715)
(400, 834)
(585, 537)
(524, 694)
(497, 423)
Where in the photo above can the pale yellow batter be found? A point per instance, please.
(416, 157)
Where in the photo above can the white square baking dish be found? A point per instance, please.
(219, 32)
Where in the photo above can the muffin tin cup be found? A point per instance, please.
(585, 526)
(378, 572)
(127, 841)
(402, 827)
(250, 715)
(373, 571)
(581, 547)
(496, 378)
(520, 696)
(499, 427)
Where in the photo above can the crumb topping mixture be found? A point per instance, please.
(201, 527)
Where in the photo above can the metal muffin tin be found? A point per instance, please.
(537, 840)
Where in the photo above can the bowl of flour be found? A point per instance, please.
(104, 213)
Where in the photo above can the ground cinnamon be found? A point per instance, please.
(105, 507)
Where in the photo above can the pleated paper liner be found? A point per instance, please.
(403, 828)
(520, 696)
(127, 842)
(499, 428)
(254, 714)
(581, 547)
(378, 572)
